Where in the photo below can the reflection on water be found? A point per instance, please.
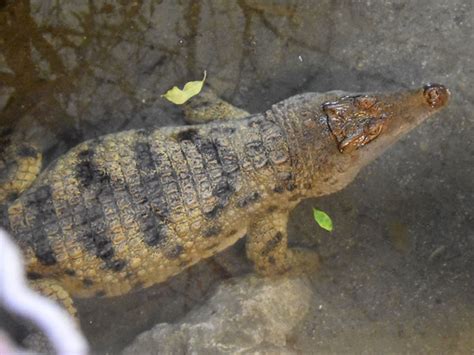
(72, 70)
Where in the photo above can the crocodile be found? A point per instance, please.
(128, 210)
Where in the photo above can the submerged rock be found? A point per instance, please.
(249, 314)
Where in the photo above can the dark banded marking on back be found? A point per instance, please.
(201, 177)
(192, 176)
(222, 183)
(89, 217)
(305, 127)
(254, 155)
(275, 143)
(222, 164)
(167, 177)
(226, 154)
(86, 172)
(279, 136)
(40, 215)
(183, 175)
(179, 189)
(149, 196)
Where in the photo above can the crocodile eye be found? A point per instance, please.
(365, 102)
(373, 129)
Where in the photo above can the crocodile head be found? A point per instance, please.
(363, 126)
(354, 129)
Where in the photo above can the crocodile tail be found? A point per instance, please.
(20, 165)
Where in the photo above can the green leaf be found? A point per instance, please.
(322, 219)
(179, 97)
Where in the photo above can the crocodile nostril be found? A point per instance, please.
(436, 95)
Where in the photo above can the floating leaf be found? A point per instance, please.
(179, 97)
(322, 219)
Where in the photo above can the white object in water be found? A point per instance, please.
(18, 298)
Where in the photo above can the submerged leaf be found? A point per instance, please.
(322, 219)
(179, 97)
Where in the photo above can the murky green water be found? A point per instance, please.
(397, 273)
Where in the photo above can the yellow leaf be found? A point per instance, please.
(179, 97)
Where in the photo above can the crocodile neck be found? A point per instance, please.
(318, 166)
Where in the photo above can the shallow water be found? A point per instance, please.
(397, 273)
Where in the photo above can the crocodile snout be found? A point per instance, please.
(436, 95)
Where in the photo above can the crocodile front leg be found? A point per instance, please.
(267, 248)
